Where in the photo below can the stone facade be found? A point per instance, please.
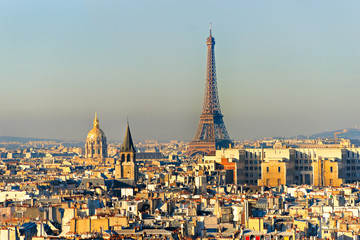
(273, 173)
(331, 166)
(126, 166)
(326, 172)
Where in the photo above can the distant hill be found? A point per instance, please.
(349, 133)
(24, 140)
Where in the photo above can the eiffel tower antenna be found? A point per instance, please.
(211, 133)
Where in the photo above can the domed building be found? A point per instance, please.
(96, 145)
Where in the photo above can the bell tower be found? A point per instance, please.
(126, 167)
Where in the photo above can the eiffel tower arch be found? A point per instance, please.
(211, 133)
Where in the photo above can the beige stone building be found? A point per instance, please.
(97, 224)
(321, 166)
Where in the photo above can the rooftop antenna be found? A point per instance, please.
(210, 29)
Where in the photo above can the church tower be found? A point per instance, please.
(96, 145)
(126, 167)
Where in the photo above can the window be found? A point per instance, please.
(279, 169)
(267, 169)
(279, 182)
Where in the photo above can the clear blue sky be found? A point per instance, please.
(284, 67)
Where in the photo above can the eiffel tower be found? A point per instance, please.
(211, 133)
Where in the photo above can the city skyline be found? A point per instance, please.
(291, 71)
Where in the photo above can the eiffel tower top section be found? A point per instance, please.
(211, 105)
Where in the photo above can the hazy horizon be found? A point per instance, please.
(283, 68)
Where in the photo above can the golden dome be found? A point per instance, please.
(96, 133)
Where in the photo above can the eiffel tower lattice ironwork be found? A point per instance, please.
(211, 133)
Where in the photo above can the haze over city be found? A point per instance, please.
(283, 68)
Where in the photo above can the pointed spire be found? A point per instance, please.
(210, 40)
(128, 145)
(96, 121)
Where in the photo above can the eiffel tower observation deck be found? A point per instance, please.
(211, 133)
